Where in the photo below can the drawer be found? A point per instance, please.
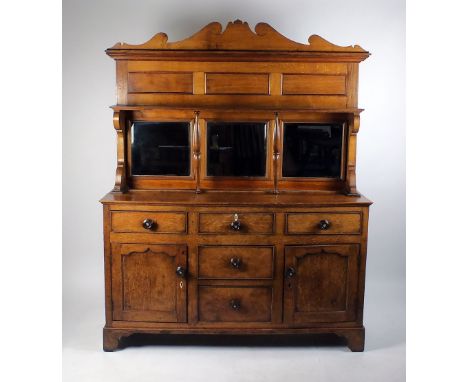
(234, 304)
(235, 262)
(323, 223)
(238, 223)
(149, 222)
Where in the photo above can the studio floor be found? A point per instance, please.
(237, 359)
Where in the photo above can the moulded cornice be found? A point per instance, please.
(237, 37)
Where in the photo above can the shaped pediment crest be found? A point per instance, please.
(239, 36)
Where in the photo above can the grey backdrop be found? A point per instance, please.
(89, 152)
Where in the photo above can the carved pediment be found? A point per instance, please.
(239, 37)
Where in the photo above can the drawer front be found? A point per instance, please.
(149, 222)
(235, 262)
(234, 304)
(246, 223)
(323, 223)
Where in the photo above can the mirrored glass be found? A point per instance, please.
(160, 148)
(312, 150)
(236, 149)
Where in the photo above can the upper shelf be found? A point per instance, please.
(236, 39)
(350, 110)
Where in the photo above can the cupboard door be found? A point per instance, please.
(321, 283)
(148, 282)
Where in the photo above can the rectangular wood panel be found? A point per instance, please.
(310, 84)
(160, 82)
(294, 101)
(236, 67)
(237, 83)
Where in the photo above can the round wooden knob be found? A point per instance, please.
(290, 272)
(236, 262)
(236, 224)
(148, 224)
(235, 304)
(324, 225)
(180, 271)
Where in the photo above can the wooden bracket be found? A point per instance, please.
(353, 127)
(120, 172)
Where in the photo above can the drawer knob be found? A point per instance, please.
(236, 224)
(148, 224)
(235, 304)
(236, 262)
(290, 272)
(180, 271)
(324, 224)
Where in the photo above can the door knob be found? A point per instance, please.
(180, 271)
(290, 272)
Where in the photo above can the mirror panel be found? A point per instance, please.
(236, 149)
(312, 150)
(160, 148)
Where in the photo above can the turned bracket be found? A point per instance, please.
(196, 151)
(120, 121)
(276, 154)
(353, 124)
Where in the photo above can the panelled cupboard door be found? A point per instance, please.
(320, 283)
(145, 285)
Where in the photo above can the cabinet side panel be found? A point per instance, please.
(122, 72)
(107, 265)
(352, 85)
(362, 265)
